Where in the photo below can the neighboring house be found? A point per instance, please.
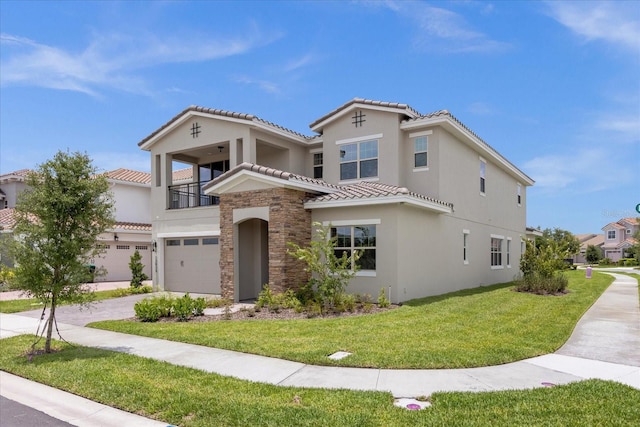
(431, 206)
(587, 240)
(618, 237)
(132, 230)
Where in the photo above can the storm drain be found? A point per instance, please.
(339, 355)
(411, 404)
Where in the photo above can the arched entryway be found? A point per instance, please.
(252, 257)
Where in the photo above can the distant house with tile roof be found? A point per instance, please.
(430, 206)
(131, 232)
(586, 240)
(618, 237)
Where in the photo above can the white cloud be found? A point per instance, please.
(443, 30)
(481, 109)
(614, 22)
(110, 60)
(300, 62)
(264, 85)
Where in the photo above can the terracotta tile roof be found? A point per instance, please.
(18, 175)
(132, 226)
(183, 174)
(367, 190)
(7, 219)
(629, 241)
(408, 110)
(590, 239)
(128, 175)
(358, 191)
(615, 225)
(223, 113)
(632, 221)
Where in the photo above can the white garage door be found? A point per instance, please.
(192, 265)
(117, 257)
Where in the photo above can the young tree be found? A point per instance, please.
(57, 222)
(564, 242)
(593, 254)
(136, 267)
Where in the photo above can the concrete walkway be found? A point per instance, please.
(604, 345)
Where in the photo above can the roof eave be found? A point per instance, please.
(369, 201)
(319, 124)
(221, 187)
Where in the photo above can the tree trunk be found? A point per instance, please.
(52, 315)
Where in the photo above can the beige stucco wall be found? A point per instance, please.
(11, 191)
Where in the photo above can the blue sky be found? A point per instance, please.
(553, 86)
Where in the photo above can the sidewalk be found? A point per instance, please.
(603, 345)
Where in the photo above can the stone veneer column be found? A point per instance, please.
(289, 221)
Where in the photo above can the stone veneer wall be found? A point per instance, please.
(289, 221)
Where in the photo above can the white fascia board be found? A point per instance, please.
(425, 204)
(125, 231)
(245, 175)
(132, 184)
(479, 145)
(280, 132)
(356, 106)
(170, 235)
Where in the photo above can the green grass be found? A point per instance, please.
(18, 305)
(191, 398)
(476, 327)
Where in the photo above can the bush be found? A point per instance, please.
(199, 304)
(6, 276)
(183, 307)
(606, 261)
(147, 310)
(145, 289)
(136, 267)
(383, 301)
(542, 285)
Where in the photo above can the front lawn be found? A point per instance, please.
(191, 398)
(477, 327)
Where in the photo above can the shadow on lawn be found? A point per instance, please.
(461, 293)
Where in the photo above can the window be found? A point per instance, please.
(125, 247)
(496, 251)
(465, 246)
(104, 247)
(317, 165)
(509, 252)
(191, 242)
(173, 242)
(359, 160)
(519, 194)
(420, 146)
(210, 241)
(483, 167)
(361, 238)
(611, 234)
(142, 248)
(628, 231)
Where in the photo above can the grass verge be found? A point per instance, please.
(191, 398)
(18, 305)
(475, 327)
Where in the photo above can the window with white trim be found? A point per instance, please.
(509, 252)
(318, 162)
(361, 238)
(496, 252)
(359, 160)
(420, 149)
(483, 168)
(611, 234)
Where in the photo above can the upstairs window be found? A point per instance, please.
(519, 194)
(359, 160)
(317, 165)
(611, 234)
(483, 167)
(420, 148)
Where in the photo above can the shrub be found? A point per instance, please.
(383, 301)
(136, 267)
(542, 285)
(349, 302)
(606, 261)
(265, 297)
(183, 307)
(147, 310)
(145, 289)
(199, 304)
(6, 276)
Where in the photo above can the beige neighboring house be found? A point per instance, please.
(587, 240)
(431, 206)
(132, 230)
(618, 237)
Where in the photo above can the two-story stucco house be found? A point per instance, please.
(131, 232)
(431, 207)
(618, 237)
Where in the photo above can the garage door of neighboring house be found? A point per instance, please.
(192, 265)
(116, 260)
